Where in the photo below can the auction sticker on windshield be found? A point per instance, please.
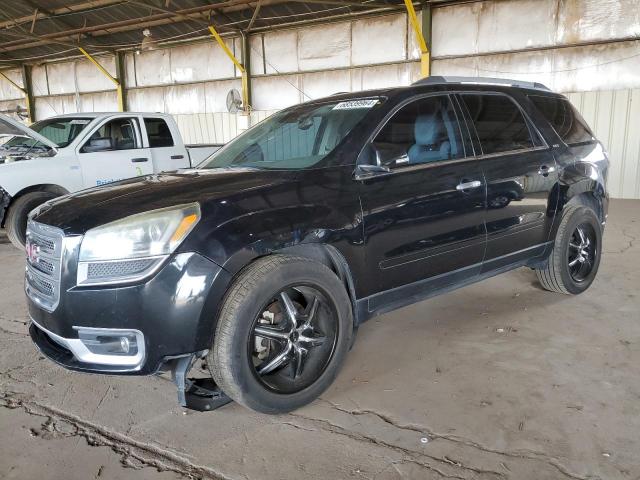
(354, 104)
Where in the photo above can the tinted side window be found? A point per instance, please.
(423, 131)
(564, 119)
(499, 122)
(158, 132)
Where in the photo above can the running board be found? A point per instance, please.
(200, 394)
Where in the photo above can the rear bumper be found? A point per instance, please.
(175, 312)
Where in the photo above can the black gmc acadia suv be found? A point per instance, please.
(264, 260)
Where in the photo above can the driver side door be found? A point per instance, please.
(424, 219)
(114, 151)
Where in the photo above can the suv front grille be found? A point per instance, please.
(44, 258)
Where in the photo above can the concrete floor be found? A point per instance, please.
(499, 380)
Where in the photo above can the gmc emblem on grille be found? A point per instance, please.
(33, 251)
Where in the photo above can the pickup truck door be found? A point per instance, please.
(114, 151)
(167, 149)
(424, 219)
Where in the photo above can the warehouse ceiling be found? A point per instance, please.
(33, 31)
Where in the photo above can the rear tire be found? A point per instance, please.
(284, 330)
(16, 222)
(575, 258)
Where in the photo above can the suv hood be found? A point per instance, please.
(12, 128)
(81, 211)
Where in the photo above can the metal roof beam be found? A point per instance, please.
(78, 7)
(166, 16)
(349, 3)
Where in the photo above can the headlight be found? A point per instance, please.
(132, 248)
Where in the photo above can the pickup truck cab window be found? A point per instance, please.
(118, 134)
(294, 139)
(158, 132)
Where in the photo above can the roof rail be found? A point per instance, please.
(481, 81)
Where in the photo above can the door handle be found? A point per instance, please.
(177, 157)
(139, 159)
(545, 170)
(464, 185)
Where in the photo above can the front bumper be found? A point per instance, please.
(175, 311)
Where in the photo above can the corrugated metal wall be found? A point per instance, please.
(590, 46)
(615, 119)
(215, 127)
(569, 45)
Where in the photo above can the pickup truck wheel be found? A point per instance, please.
(574, 261)
(16, 222)
(284, 330)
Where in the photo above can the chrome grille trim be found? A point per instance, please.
(44, 245)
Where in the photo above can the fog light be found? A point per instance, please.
(101, 343)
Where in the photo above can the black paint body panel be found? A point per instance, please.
(401, 236)
(174, 309)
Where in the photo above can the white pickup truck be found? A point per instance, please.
(67, 153)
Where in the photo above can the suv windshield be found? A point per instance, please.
(294, 139)
(61, 131)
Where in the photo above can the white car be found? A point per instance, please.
(67, 153)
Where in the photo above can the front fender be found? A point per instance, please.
(317, 207)
(241, 240)
(59, 170)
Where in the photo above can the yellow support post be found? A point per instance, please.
(424, 50)
(27, 96)
(109, 76)
(243, 70)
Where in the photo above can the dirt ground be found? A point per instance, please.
(499, 380)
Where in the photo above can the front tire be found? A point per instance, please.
(574, 261)
(283, 333)
(16, 222)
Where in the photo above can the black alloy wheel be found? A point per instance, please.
(581, 254)
(283, 332)
(573, 262)
(293, 339)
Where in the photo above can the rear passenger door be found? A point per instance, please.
(424, 218)
(167, 154)
(521, 177)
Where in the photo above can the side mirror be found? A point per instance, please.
(389, 155)
(98, 145)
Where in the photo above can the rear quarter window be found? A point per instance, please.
(564, 118)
